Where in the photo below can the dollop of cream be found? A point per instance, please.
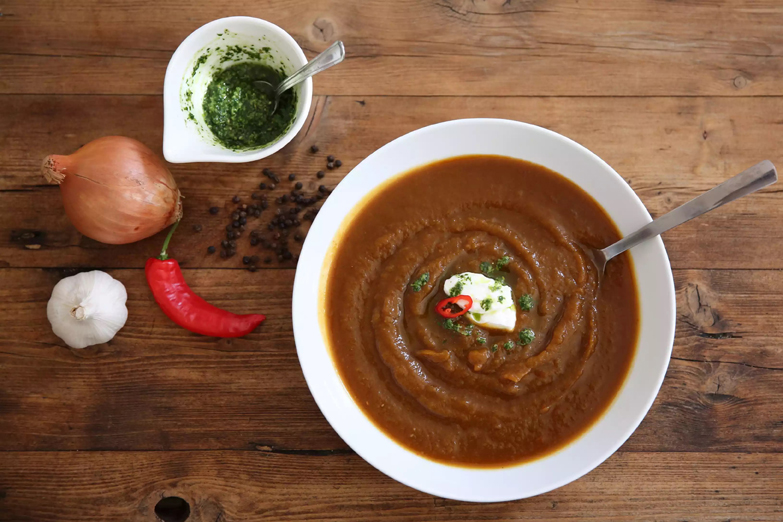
(493, 303)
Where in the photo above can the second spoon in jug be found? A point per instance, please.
(333, 55)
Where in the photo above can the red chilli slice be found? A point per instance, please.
(454, 306)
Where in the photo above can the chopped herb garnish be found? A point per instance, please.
(494, 348)
(526, 336)
(451, 324)
(456, 289)
(486, 304)
(487, 267)
(501, 298)
(508, 345)
(481, 340)
(498, 284)
(418, 284)
(526, 302)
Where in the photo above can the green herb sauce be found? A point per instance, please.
(239, 114)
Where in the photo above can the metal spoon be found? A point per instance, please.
(755, 178)
(333, 55)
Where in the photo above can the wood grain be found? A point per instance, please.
(677, 96)
(489, 48)
(670, 151)
(157, 386)
(251, 486)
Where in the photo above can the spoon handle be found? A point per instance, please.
(746, 182)
(333, 55)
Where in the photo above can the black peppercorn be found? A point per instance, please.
(262, 186)
(330, 165)
(330, 158)
(338, 163)
(291, 177)
(271, 186)
(320, 174)
(235, 199)
(313, 148)
(213, 210)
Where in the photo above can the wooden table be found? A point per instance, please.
(677, 96)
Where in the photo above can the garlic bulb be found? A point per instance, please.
(88, 308)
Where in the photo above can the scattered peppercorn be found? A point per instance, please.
(291, 177)
(271, 186)
(213, 210)
(314, 148)
(246, 260)
(330, 158)
(338, 163)
(298, 185)
(235, 199)
(320, 174)
(330, 165)
(262, 186)
(211, 249)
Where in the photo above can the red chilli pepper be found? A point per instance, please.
(454, 306)
(185, 308)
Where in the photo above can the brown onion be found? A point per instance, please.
(115, 190)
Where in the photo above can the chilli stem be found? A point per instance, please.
(164, 255)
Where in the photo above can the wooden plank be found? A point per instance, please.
(266, 486)
(592, 48)
(670, 151)
(157, 386)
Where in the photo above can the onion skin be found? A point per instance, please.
(115, 190)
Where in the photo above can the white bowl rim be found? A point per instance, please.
(472, 484)
(171, 100)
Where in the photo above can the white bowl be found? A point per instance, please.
(187, 139)
(656, 299)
